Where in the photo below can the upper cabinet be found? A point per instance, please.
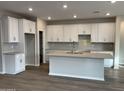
(62, 33)
(70, 33)
(100, 32)
(103, 32)
(55, 33)
(106, 32)
(84, 29)
(94, 32)
(10, 27)
(29, 26)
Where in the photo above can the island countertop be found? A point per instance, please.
(80, 55)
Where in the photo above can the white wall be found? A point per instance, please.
(0, 50)
(121, 57)
(119, 42)
(41, 26)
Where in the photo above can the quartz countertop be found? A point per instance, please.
(86, 54)
(12, 53)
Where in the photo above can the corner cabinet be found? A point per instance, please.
(106, 32)
(29, 26)
(14, 63)
(103, 32)
(10, 27)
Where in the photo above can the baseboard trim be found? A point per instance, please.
(2, 72)
(29, 64)
(75, 76)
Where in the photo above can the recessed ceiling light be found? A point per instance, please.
(113, 1)
(75, 16)
(65, 6)
(95, 12)
(49, 18)
(107, 14)
(30, 9)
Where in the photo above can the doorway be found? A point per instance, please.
(30, 49)
(41, 46)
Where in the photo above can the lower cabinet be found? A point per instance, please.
(108, 63)
(14, 63)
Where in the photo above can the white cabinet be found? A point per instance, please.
(106, 32)
(84, 29)
(108, 63)
(50, 34)
(28, 26)
(10, 27)
(59, 33)
(102, 32)
(14, 63)
(70, 33)
(55, 33)
(94, 32)
(20, 62)
(62, 33)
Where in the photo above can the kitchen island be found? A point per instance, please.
(85, 65)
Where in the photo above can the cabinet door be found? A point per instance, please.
(55, 33)
(31, 27)
(94, 32)
(111, 32)
(84, 29)
(58, 30)
(26, 26)
(74, 34)
(70, 33)
(13, 30)
(20, 62)
(10, 29)
(50, 34)
(67, 33)
(106, 32)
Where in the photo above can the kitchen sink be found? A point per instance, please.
(77, 52)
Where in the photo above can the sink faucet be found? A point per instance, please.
(73, 47)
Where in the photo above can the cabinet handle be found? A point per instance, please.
(57, 39)
(14, 38)
(104, 39)
(20, 60)
(30, 30)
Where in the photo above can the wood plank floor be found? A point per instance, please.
(37, 78)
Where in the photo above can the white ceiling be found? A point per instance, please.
(83, 9)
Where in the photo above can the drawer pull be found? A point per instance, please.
(20, 60)
(14, 38)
